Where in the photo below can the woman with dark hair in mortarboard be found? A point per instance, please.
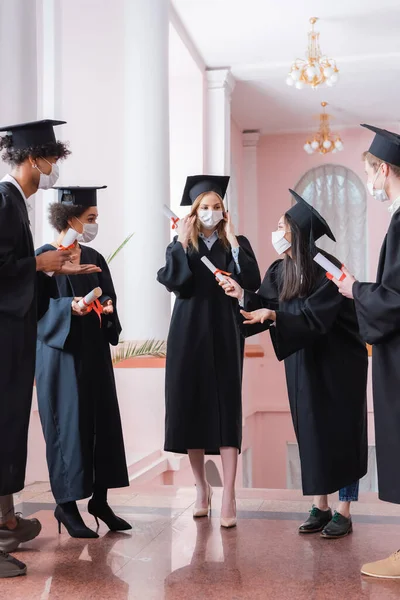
(315, 331)
(76, 392)
(205, 347)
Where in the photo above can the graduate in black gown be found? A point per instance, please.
(33, 152)
(315, 332)
(205, 347)
(378, 311)
(76, 392)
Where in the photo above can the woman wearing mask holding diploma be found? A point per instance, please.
(315, 331)
(77, 398)
(205, 349)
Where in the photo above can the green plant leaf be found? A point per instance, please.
(126, 350)
(118, 250)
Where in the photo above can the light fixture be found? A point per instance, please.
(315, 69)
(323, 141)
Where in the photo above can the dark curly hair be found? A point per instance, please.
(17, 157)
(60, 214)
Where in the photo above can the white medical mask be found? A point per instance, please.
(279, 242)
(381, 194)
(89, 232)
(48, 181)
(210, 218)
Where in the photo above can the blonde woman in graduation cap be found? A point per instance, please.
(315, 331)
(205, 347)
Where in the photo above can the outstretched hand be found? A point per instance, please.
(258, 316)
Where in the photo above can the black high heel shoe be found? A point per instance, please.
(104, 512)
(73, 523)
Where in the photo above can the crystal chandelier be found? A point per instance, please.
(323, 141)
(315, 69)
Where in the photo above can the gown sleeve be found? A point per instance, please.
(110, 323)
(295, 331)
(17, 276)
(176, 275)
(378, 304)
(54, 313)
(249, 277)
(266, 297)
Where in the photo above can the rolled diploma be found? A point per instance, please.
(329, 267)
(212, 268)
(90, 297)
(69, 239)
(172, 216)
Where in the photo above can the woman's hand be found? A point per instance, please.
(230, 231)
(346, 286)
(258, 316)
(185, 229)
(231, 288)
(77, 311)
(108, 307)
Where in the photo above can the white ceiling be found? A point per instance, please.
(258, 40)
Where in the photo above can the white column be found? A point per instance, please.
(250, 187)
(250, 192)
(18, 67)
(146, 167)
(217, 160)
(49, 95)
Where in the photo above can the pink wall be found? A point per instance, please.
(281, 164)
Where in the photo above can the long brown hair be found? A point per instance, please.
(300, 271)
(194, 240)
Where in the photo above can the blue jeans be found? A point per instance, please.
(349, 493)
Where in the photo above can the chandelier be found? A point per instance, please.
(323, 141)
(315, 69)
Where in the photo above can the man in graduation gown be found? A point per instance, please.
(33, 152)
(378, 311)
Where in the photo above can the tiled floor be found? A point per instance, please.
(170, 556)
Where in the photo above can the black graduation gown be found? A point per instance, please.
(205, 348)
(76, 392)
(326, 366)
(17, 336)
(378, 312)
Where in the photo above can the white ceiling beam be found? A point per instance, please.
(181, 30)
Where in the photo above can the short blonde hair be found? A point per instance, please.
(194, 240)
(375, 163)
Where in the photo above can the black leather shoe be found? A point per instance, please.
(104, 512)
(317, 520)
(68, 514)
(339, 527)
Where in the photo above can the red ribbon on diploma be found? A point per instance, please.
(174, 221)
(330, 276)
(222, 273)
(66, 248)
(96, 306)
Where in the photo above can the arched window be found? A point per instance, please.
(339, 195)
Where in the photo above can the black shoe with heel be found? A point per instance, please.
(68, 514)
(102, 511)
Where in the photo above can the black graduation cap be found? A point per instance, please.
(199, 184)
(78, 195)
(308, 219)
(35, 133)
(385, 145)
